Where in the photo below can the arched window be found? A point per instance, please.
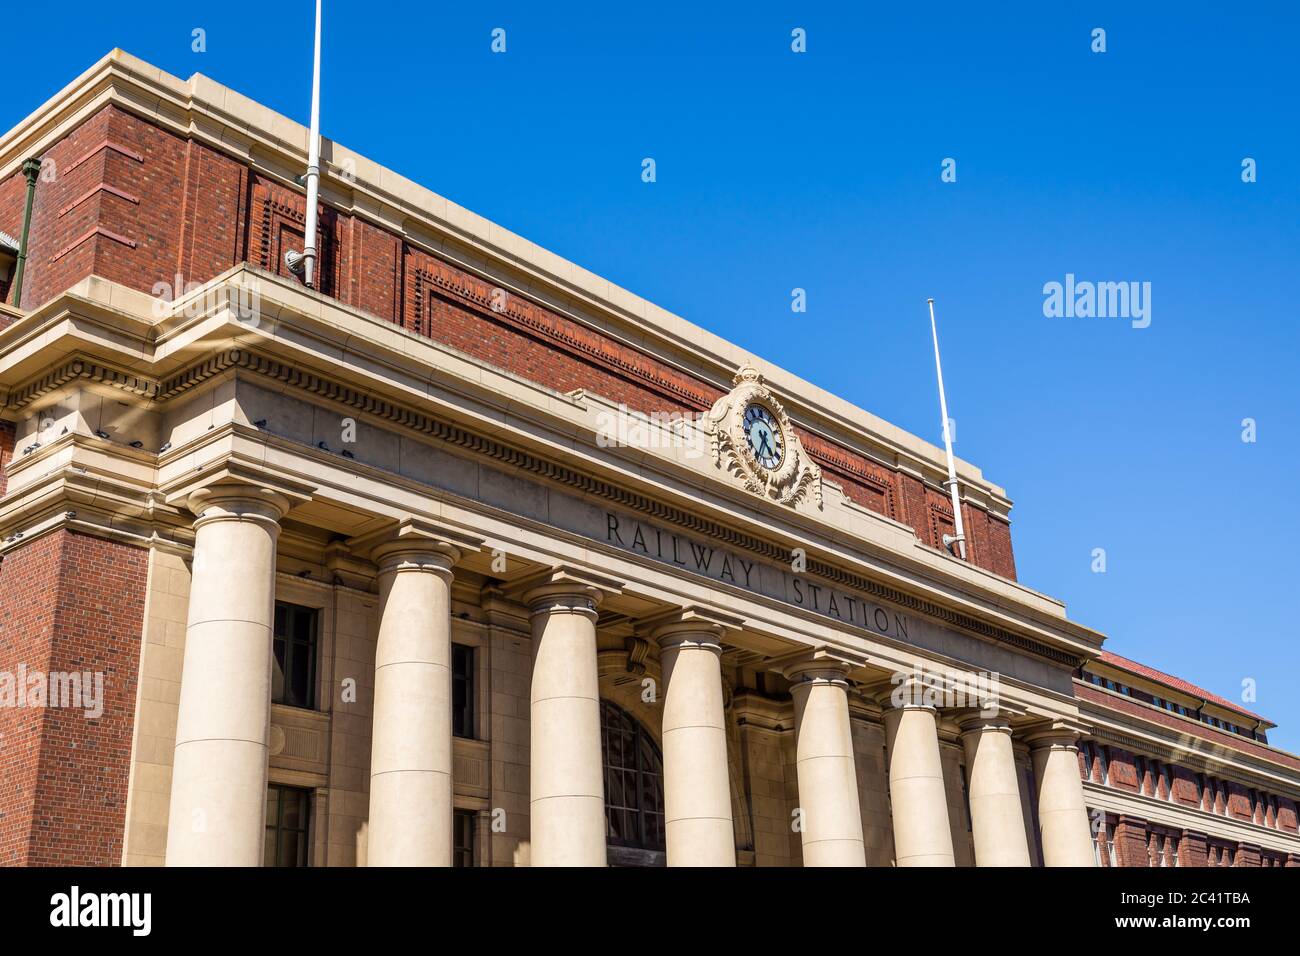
(634, 784)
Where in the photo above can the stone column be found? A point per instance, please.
(916, 790)
(566, 770)
(697, 789)
(997, 820)
(1062, 816)
(218, 799)
(830, 814)
(410, 755)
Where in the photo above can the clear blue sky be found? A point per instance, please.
(822, 171)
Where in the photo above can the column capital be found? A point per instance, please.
(1063, 734)
(960, 693)
(230, 481)
(415, 544)
(812, 664)
(564, 588)
(690, 625)
(976, 723)
(237, 502)
(911, 693)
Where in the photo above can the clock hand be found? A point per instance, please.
(762, 444)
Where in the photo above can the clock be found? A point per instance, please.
(764, 436)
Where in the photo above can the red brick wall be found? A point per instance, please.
(8, 433)
(1131, 842)
(1133, 837)
(1186, 725)
(69, 602)
(1193, 849)
(1246, 855)
(136, 204)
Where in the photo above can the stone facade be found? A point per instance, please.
(529, 645)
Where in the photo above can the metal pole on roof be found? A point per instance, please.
(959, 539)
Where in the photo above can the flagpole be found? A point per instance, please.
(960, 538)
(313, 164)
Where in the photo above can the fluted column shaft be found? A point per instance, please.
(410, 761)
(217, 815)
(916, 790)
(993, 789)
(566, 772)
(697, 792)
(1062, 815)
(831, 817)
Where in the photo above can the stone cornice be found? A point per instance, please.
(94, 310)
(368, 403)
(85, 370)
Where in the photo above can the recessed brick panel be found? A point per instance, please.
(171, 205)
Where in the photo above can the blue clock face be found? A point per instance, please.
(764, 436)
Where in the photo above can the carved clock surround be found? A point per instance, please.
(796, 477)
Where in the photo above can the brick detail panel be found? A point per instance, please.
(139, 205)
(1246, 855)
(1131, 842)
(69, 603)
(1193, 849)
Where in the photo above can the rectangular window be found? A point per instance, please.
(1105, 765)
(464, 838)
(462, 690)
(288, 821)
(293, 679)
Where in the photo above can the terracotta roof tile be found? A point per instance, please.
(1160, 677)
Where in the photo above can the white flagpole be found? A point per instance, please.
(960, 538)
(313, 164)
